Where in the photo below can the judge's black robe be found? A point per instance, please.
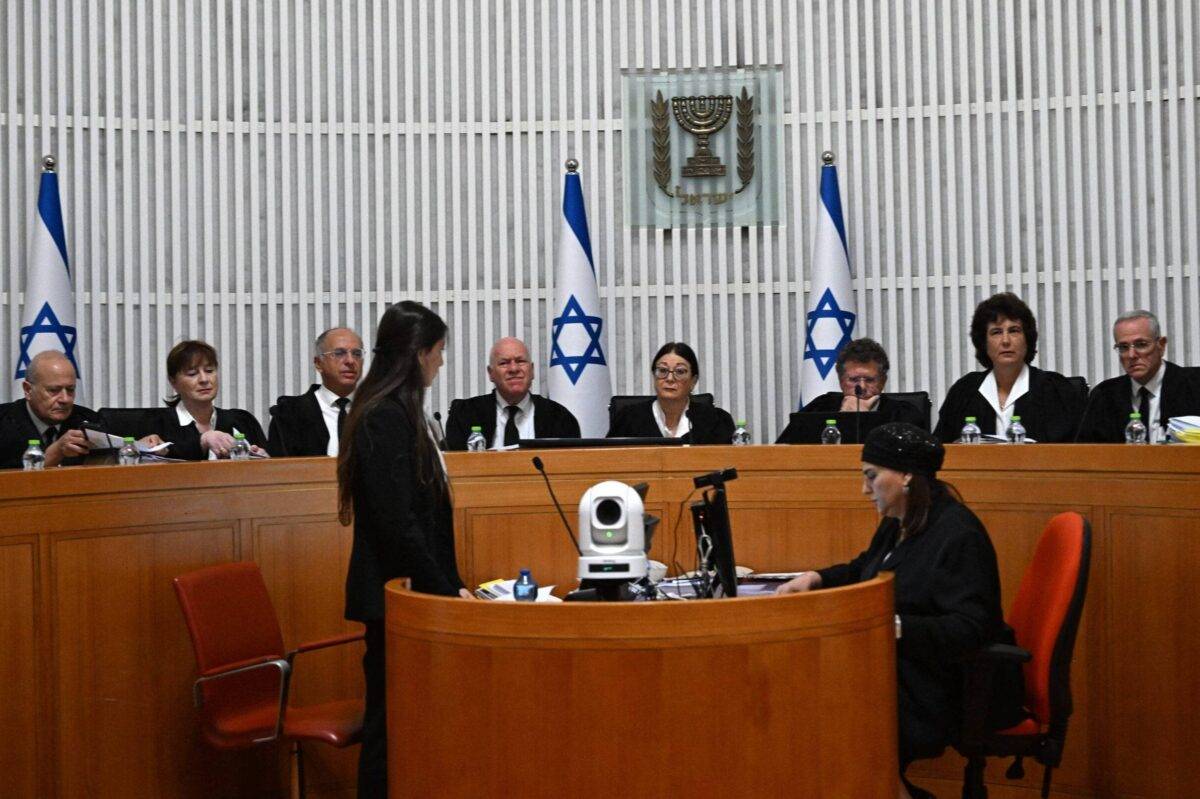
(947, 589)
(185, 439)
(1050, 410)
(550, 420)
(1111, 402)
(17, 429)
(298, 426)
(710, 424)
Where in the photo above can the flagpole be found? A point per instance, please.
(572, 166)
(827, 158)
(48, 163)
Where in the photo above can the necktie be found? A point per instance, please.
(511, 436)
(50, 436)
(1144, 405)
(341, 403)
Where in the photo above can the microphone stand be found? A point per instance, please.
(858, 392)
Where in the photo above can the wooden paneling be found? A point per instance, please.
(20, 679)
(95, 649)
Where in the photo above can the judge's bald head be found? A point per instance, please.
(50, 386)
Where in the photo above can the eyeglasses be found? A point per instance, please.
(680, 372)
(864, 380)
(1141, 347)
(339, 353)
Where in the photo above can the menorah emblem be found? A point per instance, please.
(702, 117)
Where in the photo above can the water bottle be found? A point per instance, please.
(34, 460)
(1135, 431)
(129, 455)
(831, 434)
(970, 432)
(241, 448)
(741, 435)
(1016, 431)
(476, 442)
(525, 590)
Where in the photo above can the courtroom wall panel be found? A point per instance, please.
(22, 680)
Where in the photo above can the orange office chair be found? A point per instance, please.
(244, 673)
(1045, 618)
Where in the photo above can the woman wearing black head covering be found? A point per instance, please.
(672, 414)
(947, 585)
(1004, 332)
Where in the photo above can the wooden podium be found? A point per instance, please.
(778, 696)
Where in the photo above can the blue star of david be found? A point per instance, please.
(574, 365)
(46, 322)
(827, 308)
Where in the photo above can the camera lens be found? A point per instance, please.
(608, 512)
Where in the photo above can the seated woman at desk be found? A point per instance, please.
(1005, 335)
(191, 422)
(947, 587)
(672, 414)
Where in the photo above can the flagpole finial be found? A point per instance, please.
(827, 158)
(572, 165)
(48, 163)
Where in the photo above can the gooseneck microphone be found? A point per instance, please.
(858, 392)
(537, 464)
(441, 432)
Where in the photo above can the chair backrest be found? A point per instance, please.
(1081, 384)
(620, 402)
(127, 421)
(1046, 612)
(918, 399)
(231, 620)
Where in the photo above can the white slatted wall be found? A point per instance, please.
(253, 172)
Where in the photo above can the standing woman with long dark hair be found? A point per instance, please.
(392, 485)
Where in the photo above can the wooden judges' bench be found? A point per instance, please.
(96, 667)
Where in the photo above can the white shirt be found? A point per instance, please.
(327, 401)
(1154, 386)
(660, 418)
(524, 419)
(991, 393)
(42, 426)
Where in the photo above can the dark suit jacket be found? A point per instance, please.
(710, 424)
(890, 409)
(947, 589)
(185, 441)
(297, 426)
(16, 430)
(1110, 403)
(1050, 410)
(402, 528)
(550, 419)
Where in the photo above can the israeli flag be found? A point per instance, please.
(579, 377)
(48, 318)
(831, 312)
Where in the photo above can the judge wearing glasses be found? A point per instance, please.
(1151, 385)
(672, 414)
(311, 423)
(862, 370)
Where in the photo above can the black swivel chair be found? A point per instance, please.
(620, 402)
(127, 421)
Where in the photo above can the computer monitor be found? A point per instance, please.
(573, 443)
(714, 542)
(804, 427)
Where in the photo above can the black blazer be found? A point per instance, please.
(16, 430)
(402, 528)
(1110, 403)
(297, 426)
(1050, 410)
(947, 593)
(185, 441)
(710, 424)
(550, 419)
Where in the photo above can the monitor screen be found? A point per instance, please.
(570, 443)
(714, 540)
(804, 427)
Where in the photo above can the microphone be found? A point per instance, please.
(537, 464)
(441, 432)
(715, 479)
(858, 392)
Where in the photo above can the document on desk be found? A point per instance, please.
(502, 591)
(98, 440)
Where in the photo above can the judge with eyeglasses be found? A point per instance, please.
(1151, 385)
(672, 413)
(311, 423)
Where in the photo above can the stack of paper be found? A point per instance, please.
(1184, 430)
(502, 591)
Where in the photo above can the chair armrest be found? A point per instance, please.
(285, 672)
(979, 677)
(324, 643)
(1003, 652)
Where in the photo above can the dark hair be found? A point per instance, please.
(406, 329)
(922, 491)
(864, 350)
(1009, 306)
(680, 349)
(186, 355)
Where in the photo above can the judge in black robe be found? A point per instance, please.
(1111, 402)
(709, 424)
(17, 429)
(550, 419)
(184, 438)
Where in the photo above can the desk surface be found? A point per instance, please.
(96, 666)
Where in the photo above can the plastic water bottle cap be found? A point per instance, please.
(524, 572)
(33, 442)
(1135, 415)
(741, 423)
(239, 436)
(831, 422)
(476, 429)
(128, 439)
(1016, 418)
(971, 419)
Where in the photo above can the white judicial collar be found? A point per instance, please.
(660, 418)
(524, 419)
(1154, 425)
(991, 393)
